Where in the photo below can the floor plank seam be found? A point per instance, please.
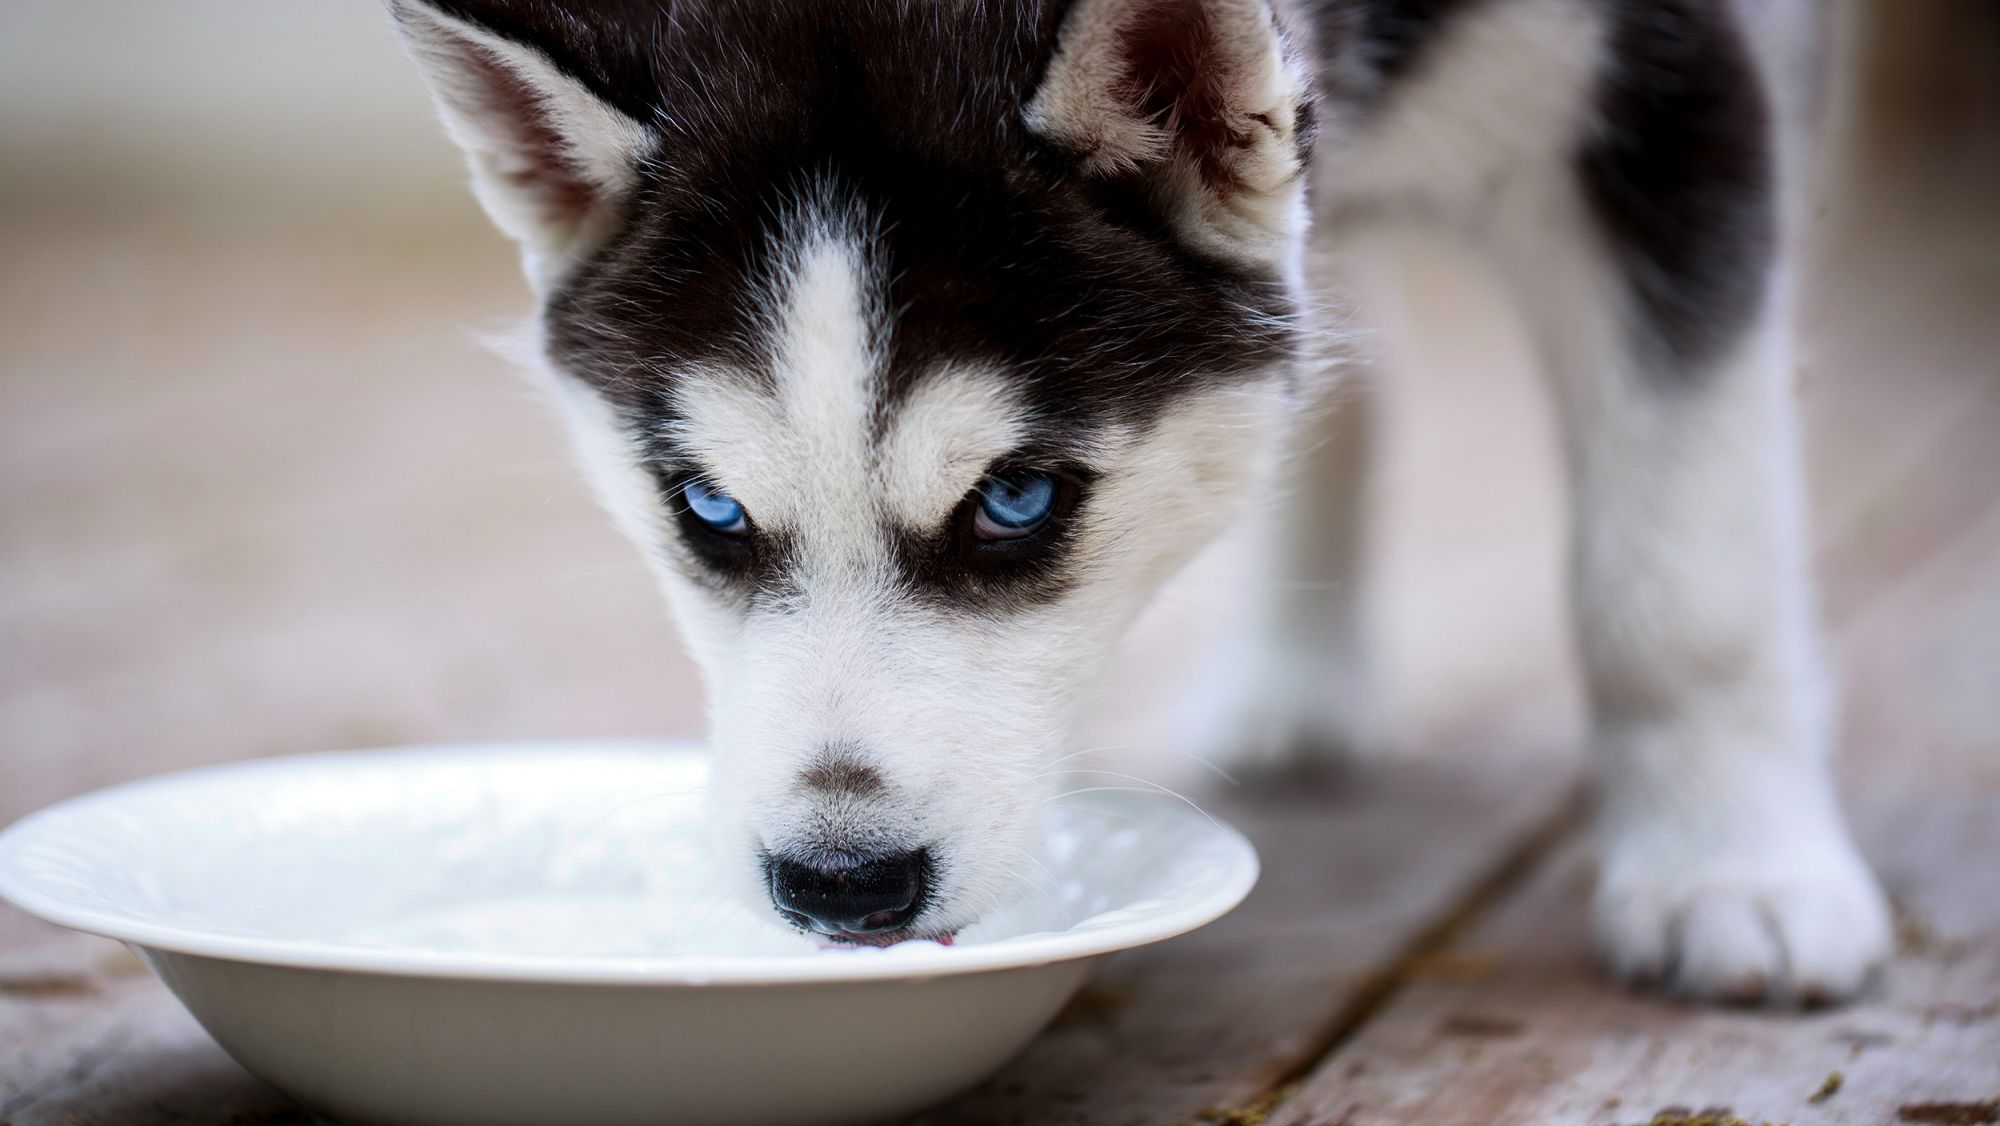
(1458, 917)
(99, 1052)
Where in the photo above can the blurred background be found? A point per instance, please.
(262, 489)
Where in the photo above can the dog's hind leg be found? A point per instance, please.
(1284, 692)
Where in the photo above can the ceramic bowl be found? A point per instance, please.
(527, 934)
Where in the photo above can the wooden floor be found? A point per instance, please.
(260, 493)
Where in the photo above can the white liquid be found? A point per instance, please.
(524, 853)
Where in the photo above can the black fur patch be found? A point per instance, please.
(1392, 33)
(990, 246)
(1367, 45)
(1680, 174)
(1677, 172)
(951, 565)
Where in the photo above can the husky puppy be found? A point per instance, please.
(916, 342)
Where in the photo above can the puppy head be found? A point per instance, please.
(914, 344)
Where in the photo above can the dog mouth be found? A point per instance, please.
(880, 939)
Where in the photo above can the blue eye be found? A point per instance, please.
(1013, 504)
(715, 509)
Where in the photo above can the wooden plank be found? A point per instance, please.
(88, 1037)
(1521, 1029)
(1352, 877)
(1527, 1033)
(109, 1046)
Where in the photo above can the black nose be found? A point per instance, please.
(849, 895)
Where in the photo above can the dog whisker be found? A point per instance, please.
(1148, 748)
(1155, 789)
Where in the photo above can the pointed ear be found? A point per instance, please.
(552, 162)
(1202, 101)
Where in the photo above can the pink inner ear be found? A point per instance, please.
(1177, 77)
(541, 164)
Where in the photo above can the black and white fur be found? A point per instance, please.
(843, 258)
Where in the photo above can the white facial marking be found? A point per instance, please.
(952, 426)
(803, 451)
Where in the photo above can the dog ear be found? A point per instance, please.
(1201, 102)
(552, 161)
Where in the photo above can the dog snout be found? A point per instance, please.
(850, 897)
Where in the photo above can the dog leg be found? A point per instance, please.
(1726, 871)
(1614, 164)
(1283, 693)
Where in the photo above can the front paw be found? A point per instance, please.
(1788, 923)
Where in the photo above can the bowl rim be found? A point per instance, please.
(917, 960)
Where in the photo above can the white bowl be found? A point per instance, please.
(502, 934)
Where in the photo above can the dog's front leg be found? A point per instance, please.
(1726, 870)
